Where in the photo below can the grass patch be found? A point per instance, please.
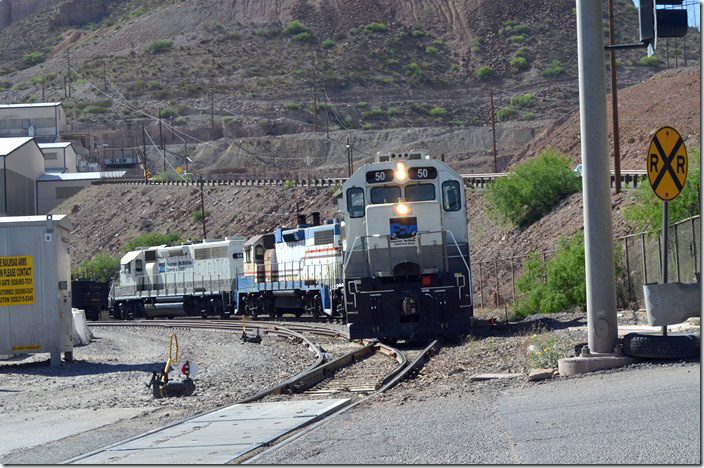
(327, 44)
(33, 58)
(376, 28)
(554, 69)
(166, 113)
(199, 215)
(160, 46)
(521, 100)
(519, 64)
(292, 106)
(506, 113)
(649, 61)
(485, 72)
(295, 27)
(437, 112)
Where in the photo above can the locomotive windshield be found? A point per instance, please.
(420, 192)
(385, 195)
(451, 195)
(355, 202)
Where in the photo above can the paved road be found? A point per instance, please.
(645, 415)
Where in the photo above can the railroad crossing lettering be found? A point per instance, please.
(667, 163)
(16, 281)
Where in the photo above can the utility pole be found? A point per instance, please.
(602, 329)
(68, 69)
(349, 157)
(171, 119)
(493, 124)
(161, 142)
(105, 77)
(202, 206)
(43, 80)
(212, 110)
(185, 153)
(144, 151)
(614, 103)
(315, 94)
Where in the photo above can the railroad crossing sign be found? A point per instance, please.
(667, 163)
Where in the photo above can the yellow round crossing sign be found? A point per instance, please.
(667, 163)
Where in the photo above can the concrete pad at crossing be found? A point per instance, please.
(216, 437)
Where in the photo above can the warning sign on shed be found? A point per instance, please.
(16, 281)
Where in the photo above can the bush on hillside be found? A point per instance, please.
(376, 27)
(33, 58)
(532, 189)
(295, 27)
(102, 267)
(152, 238)
(160, 46)
(484, 73)
(554, 69)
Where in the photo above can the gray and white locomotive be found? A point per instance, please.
(406, 269)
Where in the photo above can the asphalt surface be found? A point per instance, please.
(648, 414)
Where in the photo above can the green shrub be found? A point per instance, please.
(289, 184)
(349, 121)
(392, 111)
(137, 12)
(506, 113)
(33, 58)
(373, 113)
(101, 267)
(376, 28)
(645, 212)
(419, 108)
(522, 52)
(328, 44)
(518, 38)
(160, 46)
(303, 37)
(229, 120)
(412, 69)
(367, 126)
(362, 104)
(418, 33)
(649, 61)
(191, 89)
(430, 50)
(554, 69)
(521, 100)
(295, 27)
(167, 175)
(528, 116)
(166, 113)
(392, 62)
(199, 215)
(437, 112)
(532, 189)
(292, 106)
(151, 239)
(5, 84)
(154, 85)
(565, 287)
(484, 73)
(457, 123)
(94, 109)
(519, 63)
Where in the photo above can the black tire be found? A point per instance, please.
(660, 347)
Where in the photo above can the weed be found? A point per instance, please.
(437, 112)
(649, 61)
(33, 58)
(199, 215)
(166, 113)
(506, 113)
(289, 184)
(484, 73)
(430, 50)
(327, 44)
(518, 38)
(392, 111)
(304, 37)
(152, 238)
(554, 69)
(546, 349)
(519, 63)
(362, 104)
(295, 27)
(521, 100)
(528, 116)
(160, 46)
(136, 12)
(292, 106)
(376, 28)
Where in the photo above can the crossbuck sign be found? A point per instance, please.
(667, 164)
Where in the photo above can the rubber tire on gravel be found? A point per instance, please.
(660, 347)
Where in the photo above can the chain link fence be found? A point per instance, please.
(637, 255)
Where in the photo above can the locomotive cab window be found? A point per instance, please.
(126, 268)
(248, 255)
(451, 195)
(420, 192)
(355, 202)
(138, 266)
(385, 195)
(259, 252)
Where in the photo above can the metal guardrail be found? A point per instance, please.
(632, 177)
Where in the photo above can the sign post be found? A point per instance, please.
(667, 174)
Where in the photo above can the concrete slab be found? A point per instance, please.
(54, 425)
(581, 365)
(217, 437)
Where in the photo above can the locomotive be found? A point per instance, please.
(393, 263)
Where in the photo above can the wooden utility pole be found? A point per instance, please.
(161, 142)
(614, 103)
(493, 124)
(349, 157)
(315, 94)
(68, 69)
(212, 110)
(202, 207)
(144, 151)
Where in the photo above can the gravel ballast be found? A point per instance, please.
(108, 377)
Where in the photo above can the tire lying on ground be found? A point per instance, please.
(660, 347)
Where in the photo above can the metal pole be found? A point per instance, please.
(493, 124)
(614, 103)
(315, 94)
(349, 157)
(68, 69)
(212, 110)
(598, 230)
(202, 207)
(161, 141)
(645, 263)
(663, 259)
(677, 253)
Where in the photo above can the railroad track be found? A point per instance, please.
(631, 177)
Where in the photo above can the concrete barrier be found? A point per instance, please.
(671, 303)
(81, 334)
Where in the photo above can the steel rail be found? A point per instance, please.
(471, 180)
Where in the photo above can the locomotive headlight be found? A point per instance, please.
(402, 209)
(401, 173)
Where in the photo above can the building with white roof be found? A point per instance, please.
(59, 157)
(45, 121)
(21, 164)
(54, 188)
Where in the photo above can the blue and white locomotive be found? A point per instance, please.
(406, 270)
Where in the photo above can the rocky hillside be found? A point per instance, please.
(373, 64)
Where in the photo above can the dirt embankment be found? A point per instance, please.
(669, 98)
